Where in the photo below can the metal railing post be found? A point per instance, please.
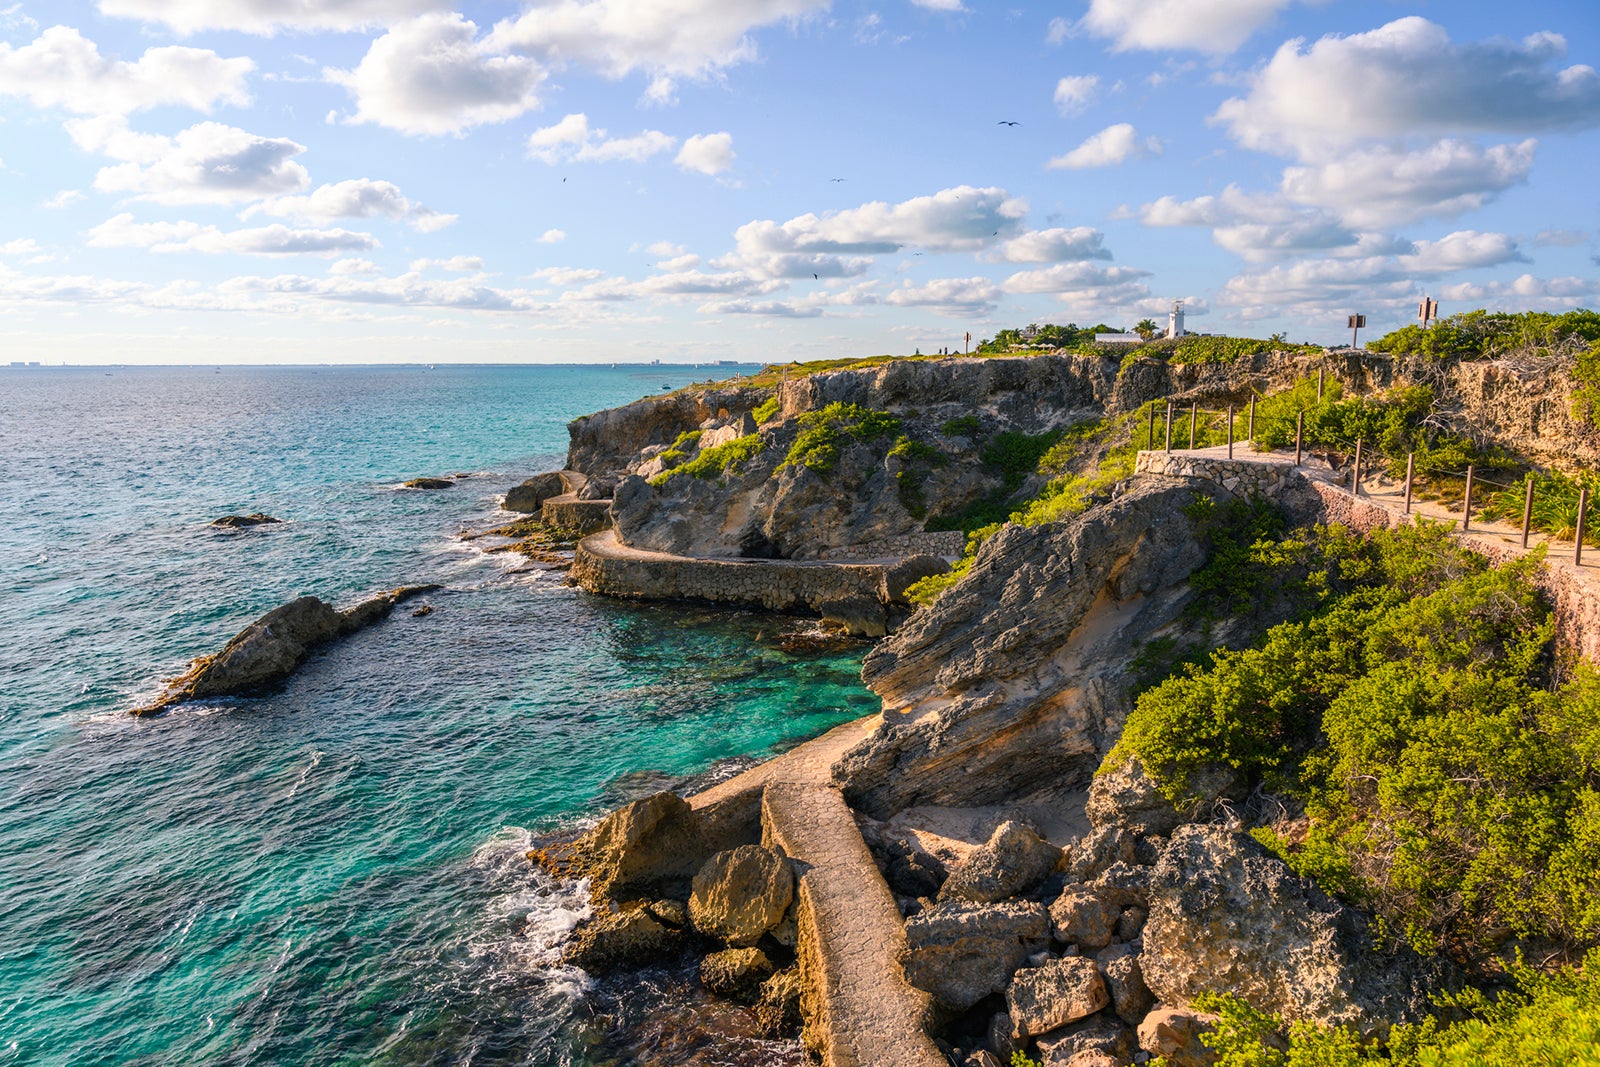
(1152, 427)
(1319, 385)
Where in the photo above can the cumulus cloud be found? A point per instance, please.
(668, 39)
(356, 198)
(354, 266)
(433, 75)
(1262, 226)
(1212, 26)
(956, 297)
(939, 5)
(205, 164)
(1408, 79)
(270, 16)
(1525, 293)
(1070, 277)
(552, 236)
(706, 153)
(64, 198)
(22, 246)
(121, 231)
(1054, 246)
(573, 141)
(1112, 145)
(1074, 92)
(1383, 186)
(568, 275)
(455, 264)
(1462, 250)
(962, 219)
(61, 68)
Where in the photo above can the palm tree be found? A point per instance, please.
(1146, 329)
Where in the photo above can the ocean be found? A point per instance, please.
(333, 872)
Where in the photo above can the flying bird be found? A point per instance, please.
(1007, 122)
(814, 277)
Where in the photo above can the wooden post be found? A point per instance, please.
(1355, 475)
(1319, 385)
(1466, 503)
(1194, 414)
(1299, 432)
(1577, 545)
(1152, 427)
(1169, 426)
(1527, 511)
(1411, 459)
(1230, 431)
(1252, 434)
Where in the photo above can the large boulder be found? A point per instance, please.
(740, 894)
(778, 1007)
(1227, 914)
(1062, 991)
(1096, 1034)
(1013, 861)
(1082, 917)
(1131, 999)
(736, 973)
(653, 846)
(1174, 1034)
(1127, 798)
(627, 936)
(530, 496)
(961, 952)
(238, 522)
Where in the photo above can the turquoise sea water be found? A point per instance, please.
(333, 873)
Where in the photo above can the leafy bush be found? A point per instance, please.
(1228, 349)
(823, 433)
(1555, 504)
(962, 426)
(915, 457)
(764, 411)
(1452, 785)
(1586, 378)
(1486, 335)
(711, 463)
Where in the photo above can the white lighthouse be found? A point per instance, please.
(1175, 320)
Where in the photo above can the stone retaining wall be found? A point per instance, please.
(1576, 602)
(947, 544)
(600, 565)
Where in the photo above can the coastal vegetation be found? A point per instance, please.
(823, 433)
(712, 463)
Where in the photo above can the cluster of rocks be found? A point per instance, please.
(244, 522)
(736, 911)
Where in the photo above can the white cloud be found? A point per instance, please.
(1262, 226)
(22, 246)
(1462, 250)
(1112, 145)
(956, 297)
(121, 231)
(676, 263)
(1559, 238)
(665, 248)
(356, 198)
(455, 264)
(61, 68)
(962, 219)
(1525, 293)
(1212, 26)
(1074, 92)
(669, 39)
(1408, 79)
(552, 236)
(354, 266)
(205, 164)
(1054, 246)
(269, 16)
(432, 75)
(939, 5)
(568, 275)
(1382, 186)
(1072, 277)
(63, 198)
(707, 153)
(1059, 30)
(573, 141)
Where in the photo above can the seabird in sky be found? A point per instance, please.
(1007, 122)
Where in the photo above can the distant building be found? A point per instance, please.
(1117, 338)
(1028, 332)
(1175, 320)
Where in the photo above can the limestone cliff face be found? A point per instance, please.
(1019, 676)
(610, 441)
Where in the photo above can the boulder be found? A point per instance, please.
(858, 616)
(1131, 999)
(1096, 852)
(736, 973)
(651, 846)
(1013, 861)
(1080, 916)
(1064, 990)
(429, 483)
(629, 936)
(600, 487)
(1227, 914)
(778, 1009)
(740, 894)
(1131, 925)
(1094, 1058)
(530, 496)
(961, 952)
(236, 522)
(1127, 798)
(1174, 1035)
(982, 1058)
(1095, 1034)
(273, 647)
(1124, 884)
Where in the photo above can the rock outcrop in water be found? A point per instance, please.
(240, 522)
(273, 647)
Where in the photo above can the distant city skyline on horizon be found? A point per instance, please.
(595, 181)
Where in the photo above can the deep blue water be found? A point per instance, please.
(331, 873)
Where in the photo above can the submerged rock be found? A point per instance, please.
(631, 935)
(428, 483)
(237, 522)
(271, 648)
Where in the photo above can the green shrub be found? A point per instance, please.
(823, 433)
(726, 458)
(1586, 394)
(962, 426)
(764, 411)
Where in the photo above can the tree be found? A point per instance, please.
(1146, 329)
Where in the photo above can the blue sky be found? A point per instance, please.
(596, 180)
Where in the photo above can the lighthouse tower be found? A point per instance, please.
(1175, 320)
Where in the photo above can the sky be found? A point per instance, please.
(361, 181)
